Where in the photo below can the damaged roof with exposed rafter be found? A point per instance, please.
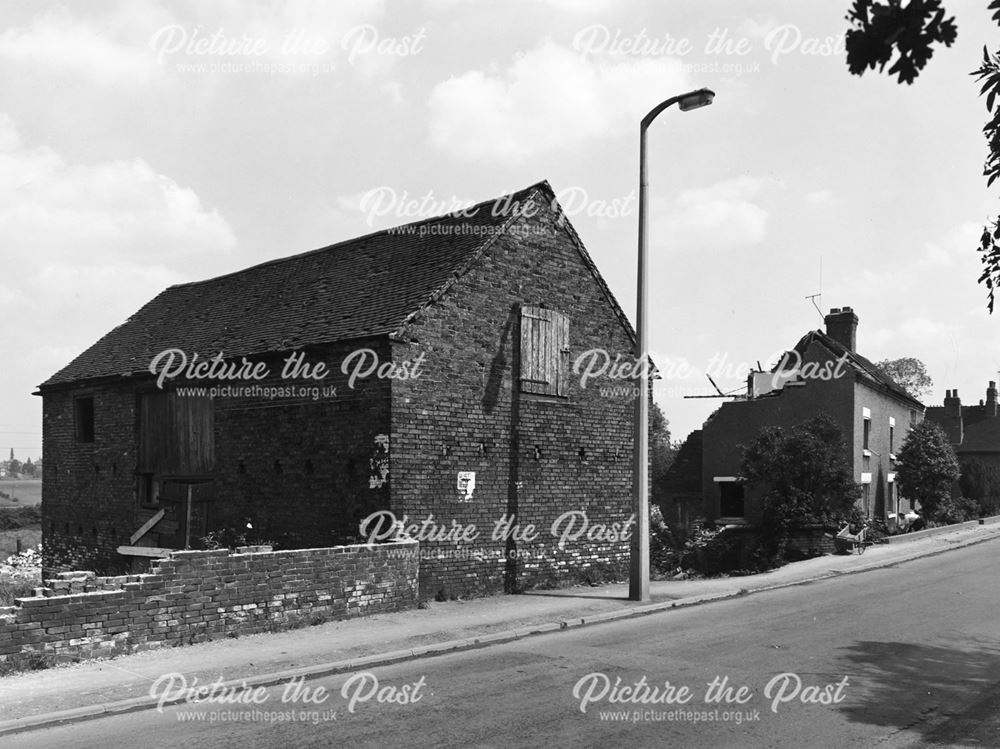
(859, 364)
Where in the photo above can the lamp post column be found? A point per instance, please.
(638, 581)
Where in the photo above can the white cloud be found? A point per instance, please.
(91, 243)
(819, 197)
(722, 215)
(137, 42)
(59, 41)
(956, 246)
(548, 98)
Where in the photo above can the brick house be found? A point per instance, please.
(823, 373)
(974, 430)
(448, 400)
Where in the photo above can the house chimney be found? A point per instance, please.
(842, 326)
(953, 423)
(991, 399)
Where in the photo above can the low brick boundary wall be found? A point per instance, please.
(196, 596)
(902, 538)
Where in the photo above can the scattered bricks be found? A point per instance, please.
(76, 575)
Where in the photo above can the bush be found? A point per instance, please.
(802, 473)
(709, 551)
(950, 510)
(663, 556)
(15, 518)
(233, 538)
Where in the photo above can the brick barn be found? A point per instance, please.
(449, 398)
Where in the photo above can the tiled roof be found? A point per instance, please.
(859, 363)
(981, 436)
(358, 288)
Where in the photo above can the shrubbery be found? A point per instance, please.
(15, 518)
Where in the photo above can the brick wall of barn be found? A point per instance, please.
(88, 488)
(535, 457)
(301, 461)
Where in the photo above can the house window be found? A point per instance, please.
(867, 433)
(866, 499)
(892, 440)
(731, 499)
(84, 419)
(544, 351)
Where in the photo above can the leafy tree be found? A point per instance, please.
(980, 481)
(804, 473)
(881, 29)
(909, 373)
(661, 450)
(926, 468)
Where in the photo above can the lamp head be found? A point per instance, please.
(700, 98)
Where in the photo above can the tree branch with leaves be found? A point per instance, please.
(882, 31)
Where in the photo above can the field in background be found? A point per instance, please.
(27, 492)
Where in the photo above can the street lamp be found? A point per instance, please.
(638, 582)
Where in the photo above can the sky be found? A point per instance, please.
(145, 144)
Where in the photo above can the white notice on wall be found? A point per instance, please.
(466, 484)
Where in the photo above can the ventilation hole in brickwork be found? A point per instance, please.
(309, 468)
(444, 450)
(582, 455)
(278, 468)
(97, 470)
(482, 448)
(241, 467)
(538, 453)
(114, 469)
(66, 528)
